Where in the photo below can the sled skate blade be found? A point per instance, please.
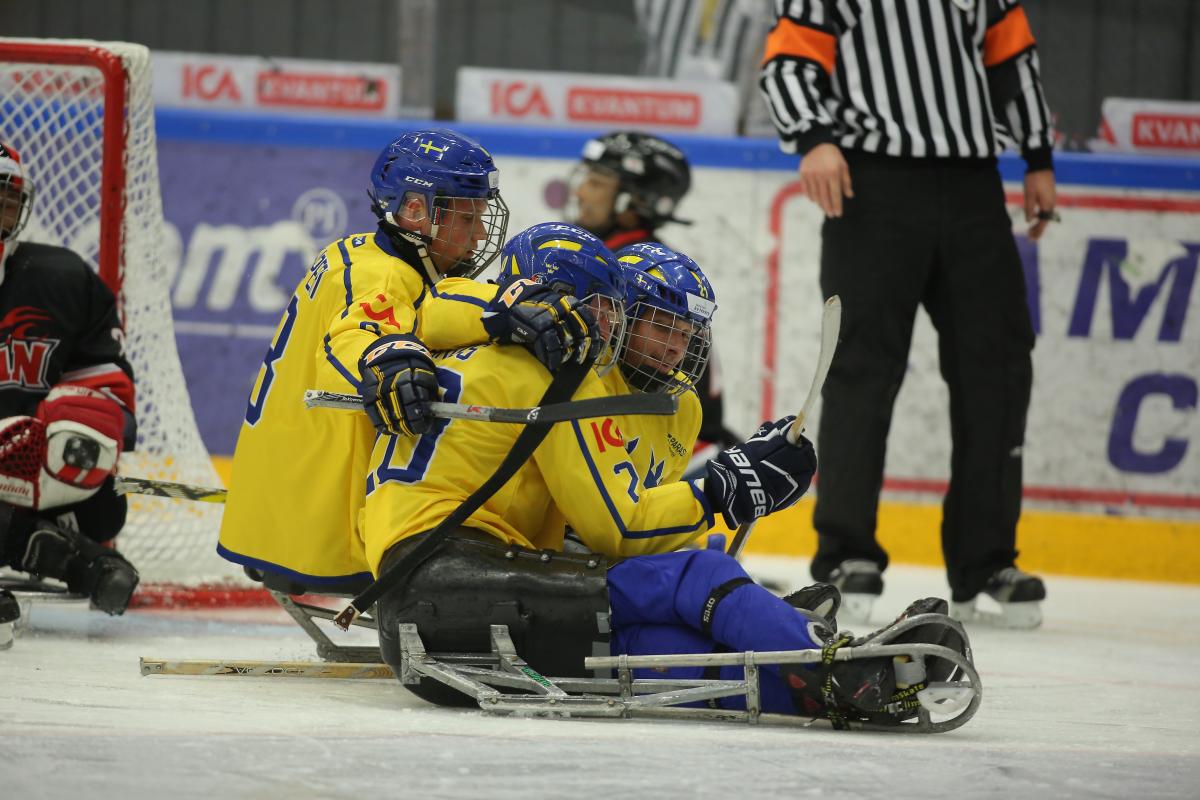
(1014, 616)
(306, 614)
(26, 591)
(856, 607)
(946, 698)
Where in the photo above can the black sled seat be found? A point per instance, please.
(287, 592)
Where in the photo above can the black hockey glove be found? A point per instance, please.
(398, 383)
(555, 327)
(763, 474)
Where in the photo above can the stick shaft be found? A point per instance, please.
(179, 491)
(632, 404)
(266, 669)
(651, 404)
(831, 324)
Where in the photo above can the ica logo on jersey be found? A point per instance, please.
(607, 434)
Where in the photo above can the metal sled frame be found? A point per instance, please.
(28, 591)
(327, 649)
(504, 684)
(486, 677)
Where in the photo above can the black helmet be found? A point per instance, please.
(653, 173)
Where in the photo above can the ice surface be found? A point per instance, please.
(1102, 702)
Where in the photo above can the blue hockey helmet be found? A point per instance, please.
(464, 218)
(572, 261)
(670, 305)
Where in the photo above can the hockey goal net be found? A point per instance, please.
(81, 115)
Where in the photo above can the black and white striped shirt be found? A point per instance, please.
(908, 78)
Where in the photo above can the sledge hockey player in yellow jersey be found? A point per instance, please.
(360, 322)
(505, 565)
(583, 473)
(669, 305)
(609, 483)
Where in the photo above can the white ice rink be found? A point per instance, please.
(1102, 702)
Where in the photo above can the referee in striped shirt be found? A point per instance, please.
(899, 109)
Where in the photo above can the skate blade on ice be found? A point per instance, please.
(856, 608)
(28, 591)
(1015, 616)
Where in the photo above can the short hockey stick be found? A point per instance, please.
(639, 403)
(179, 491)
(266, 669)
(831, 324)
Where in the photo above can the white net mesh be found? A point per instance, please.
(53, 114)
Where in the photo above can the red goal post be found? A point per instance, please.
(81, 114)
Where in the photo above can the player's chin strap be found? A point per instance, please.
(402, 238)
(561, 388)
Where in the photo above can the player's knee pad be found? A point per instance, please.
(554, 604)
(100, 517)
(87, 567)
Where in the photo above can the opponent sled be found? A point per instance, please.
(17, 594)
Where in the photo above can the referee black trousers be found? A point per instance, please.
(934, 234)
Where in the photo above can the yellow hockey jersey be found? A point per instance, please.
(610, 479)
(299, 474)
(660, 447)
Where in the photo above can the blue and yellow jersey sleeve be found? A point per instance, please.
(299, 474)
(612, 507)
(380, 298)
(450, 314)
(383, 297)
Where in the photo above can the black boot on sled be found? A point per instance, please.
(884, 689)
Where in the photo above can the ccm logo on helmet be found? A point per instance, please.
(417, 181)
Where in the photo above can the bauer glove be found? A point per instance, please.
(763, 474)
(398, 384)
(554, 327)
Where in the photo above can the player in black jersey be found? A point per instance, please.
(66, 410)
(625, 187)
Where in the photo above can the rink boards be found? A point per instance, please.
(1112, 457)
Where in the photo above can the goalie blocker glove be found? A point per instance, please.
(62, 455)
(762, 475)
(399, 382)
(555, 327)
